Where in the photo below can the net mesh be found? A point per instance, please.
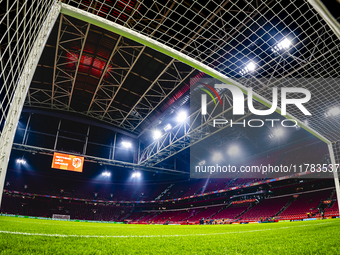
(244, 40)
(20, 23)
(336, 150)
(247, 41)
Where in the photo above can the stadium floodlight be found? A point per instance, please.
(201, 163)
(250, 67)
(136, 174)
(127, 145)
(283, 45)
(217, 156)
(157, 134)
(182, 116)
(167, 127)
(106, 174)
(21, 161)
(233, 150)
(278, 132)
(333, 112)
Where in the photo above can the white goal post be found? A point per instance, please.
(61, 217)
(20, 90)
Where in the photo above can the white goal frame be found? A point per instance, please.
(61, 217)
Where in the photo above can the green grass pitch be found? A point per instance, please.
(30, 236)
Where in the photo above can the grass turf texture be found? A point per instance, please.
(60, 237)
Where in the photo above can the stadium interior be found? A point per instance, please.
(127, 110)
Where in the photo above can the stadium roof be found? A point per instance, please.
(95, 72)
(111, 78)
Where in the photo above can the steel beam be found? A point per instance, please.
(122, 82)
(104, 72)
(150, 87)
(167, 146)
(133, 35)
(63, 80)
(78, 63)
(164, 97)
(93, 159)
(55, 59)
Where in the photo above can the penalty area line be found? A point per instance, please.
(151, 236)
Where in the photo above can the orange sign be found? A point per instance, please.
(67, 162)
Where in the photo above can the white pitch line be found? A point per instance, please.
(151, 236)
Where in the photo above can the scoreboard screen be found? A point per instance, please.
(67, 162)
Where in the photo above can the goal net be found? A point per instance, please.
(61, 217)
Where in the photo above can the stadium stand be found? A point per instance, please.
(295, 207)
(333, 210)
(265, 209)
(88, 189)
(184, 215)
(206, 213)
(166, 216)
(90, 197)
(45, 207)
(232, 212)
(303, 204)
(147, 217)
